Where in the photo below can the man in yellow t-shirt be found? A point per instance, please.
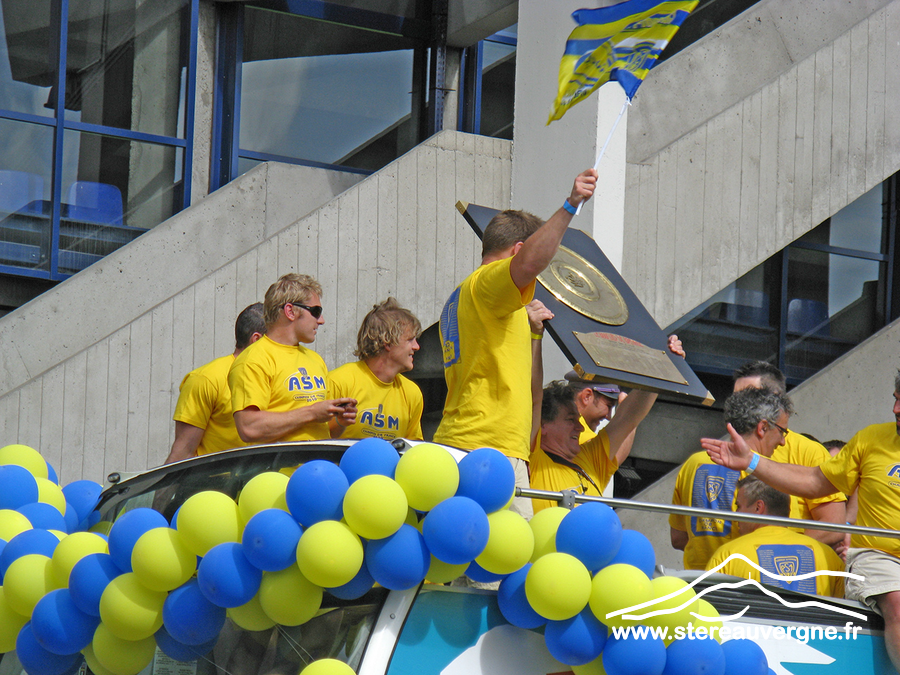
(779, 550)
(868, 463)
(486, 338)
(559, 462)
(278, 385)
(389, 404)
(203, 421)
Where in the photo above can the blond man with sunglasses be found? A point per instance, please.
(278, 385)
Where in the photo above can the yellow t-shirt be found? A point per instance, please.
(204, 402)
(594, 460)
(798, 449)
(586, 432)
(384, 409)
(703, 484)
(487, 363)
(782, 551)
(871, 462)
(277, 378)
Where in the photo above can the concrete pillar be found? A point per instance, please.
(547, 158)
(204, 102)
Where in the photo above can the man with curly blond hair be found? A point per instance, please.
(277, 384)
(389, 404)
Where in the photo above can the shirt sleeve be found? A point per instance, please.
(249, 386)
(842, 471)
(677, 521)
(494, 288)
(196, 400)
(417, 405)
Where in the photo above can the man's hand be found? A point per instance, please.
(537, 314)
(341, 410)
(676, 347)
(583, 189)
(733, 454)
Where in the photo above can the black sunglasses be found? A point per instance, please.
(315, 310)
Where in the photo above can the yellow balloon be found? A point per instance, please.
(594, 667)
(119, 656)
(327, 667)
(24, 456)
(59, 534)
(71, 549)
(161, 560)
(616, 587)
(558, 586)
(11, 623)
(705, 609)
(663, 586)
(428, 475)
(263, 491)
(510, 543)
(289, 598)
(375, 506)
(130, 610)
(27, 580)
(440, 572)
(544, 525)
(209, 518)
(50, 493)
(91, 659)
(12, 523)
(329, 554)
(250, 616)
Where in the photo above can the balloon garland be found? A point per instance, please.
(267, 559)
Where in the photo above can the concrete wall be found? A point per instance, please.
(753, 136)
(91, 370)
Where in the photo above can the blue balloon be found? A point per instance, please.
(744, 657)
(400, 561)
(89, 578)
(514, 605)
(633, 655)
(486, 476)
(38, 661)
(477, 573)
(51, 473)
(600, 547)
(86, 524)
(357, 587)
(456, 530)
(43, 516)
(315, 492)
(59, 626)
(83, 495)
(180, 651)
(30, 541)
(576, 641)
(71, 518)
(17, 487)
(636, 550)
(270, 540)
(694, 657)
(369, 456)
(226, 577)
(127, 530)
(190, 618)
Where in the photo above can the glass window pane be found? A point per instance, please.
(27, 56)
(112, 190)
(833, 304)
(857, 226)
(324, 92)
(126, 64)
(26, 158)
(498, 88)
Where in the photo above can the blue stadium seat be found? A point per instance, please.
(94, 202)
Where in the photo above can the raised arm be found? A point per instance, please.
(630, 412)
(802, 481)
(538, 250)
(537, 314)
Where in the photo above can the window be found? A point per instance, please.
(808, 304)
(489, 85)
(95, 104)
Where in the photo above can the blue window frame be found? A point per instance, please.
(319, 84)
(488, 85)
(97, 107)
(809, 303)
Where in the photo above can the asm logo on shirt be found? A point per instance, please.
(375, 418)
(305, 382)
(894, 471)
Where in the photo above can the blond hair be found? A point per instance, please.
(289, 289)
(385, 324)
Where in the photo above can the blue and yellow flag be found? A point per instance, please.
(620, 42)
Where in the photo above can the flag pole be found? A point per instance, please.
(606, 144)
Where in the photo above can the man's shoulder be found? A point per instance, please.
(799, 446)
(214, 372)
(694, 461)
(346, 371)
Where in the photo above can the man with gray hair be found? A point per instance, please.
(869, 463)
